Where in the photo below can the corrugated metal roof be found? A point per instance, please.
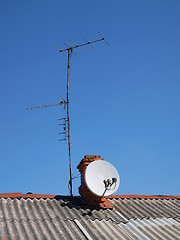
(164, 228)
(146, 208)
(65, 218)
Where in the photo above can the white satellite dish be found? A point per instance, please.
(101, 178)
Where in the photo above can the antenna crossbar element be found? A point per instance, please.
(69, 48)
(50, 105)
(83, 44)
(77, 46)
(59, 49)
(88, 42)
(103, 38)
(67, 45)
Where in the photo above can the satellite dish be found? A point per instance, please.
(101, 178)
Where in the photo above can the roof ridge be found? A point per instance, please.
(51, 196)
(28, 195)
(145, 196)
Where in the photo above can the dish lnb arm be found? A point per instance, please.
(109, 184)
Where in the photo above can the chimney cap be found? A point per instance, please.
(91, 156)
(88, 159)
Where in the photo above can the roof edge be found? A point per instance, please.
(44, 196)
(28, 195)
(145, 196)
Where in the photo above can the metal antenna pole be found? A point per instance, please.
(68, 122)
(70, 50)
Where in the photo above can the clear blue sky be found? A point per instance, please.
(124, 98)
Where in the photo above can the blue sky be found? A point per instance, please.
(124, 98)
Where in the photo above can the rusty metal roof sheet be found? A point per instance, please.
(60, 217)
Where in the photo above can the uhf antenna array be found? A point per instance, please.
(66, 120)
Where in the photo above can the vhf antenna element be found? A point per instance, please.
(69, 50)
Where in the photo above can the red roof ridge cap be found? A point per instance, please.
(11, 195)
(28, 195)
(31, 195)
(145, 196)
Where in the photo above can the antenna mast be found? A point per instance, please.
(70, 50)
(68, 122)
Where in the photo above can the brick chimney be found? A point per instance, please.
(89, 198)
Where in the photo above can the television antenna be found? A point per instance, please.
(66, 121)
